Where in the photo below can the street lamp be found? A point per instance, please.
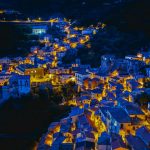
(28, 19)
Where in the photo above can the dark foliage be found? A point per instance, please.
(143, 99)
(109, 41)
(15, 40)
(24, 120)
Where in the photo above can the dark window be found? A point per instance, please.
(121, 126)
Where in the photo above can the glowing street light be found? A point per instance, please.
(28, 19)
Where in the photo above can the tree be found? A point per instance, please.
(69, 91)
(143, 99)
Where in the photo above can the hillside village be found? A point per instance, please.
(112, 109)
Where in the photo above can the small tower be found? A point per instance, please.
(107, 61)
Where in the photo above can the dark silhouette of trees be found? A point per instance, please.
(15, 40)
(27, 118)
(69, 91)
(143, 99)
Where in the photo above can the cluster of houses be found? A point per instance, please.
(106, 115)
(44, 63)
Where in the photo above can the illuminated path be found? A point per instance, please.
(34, 21)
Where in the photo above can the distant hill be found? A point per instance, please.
(125, 14)
(7, 4)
